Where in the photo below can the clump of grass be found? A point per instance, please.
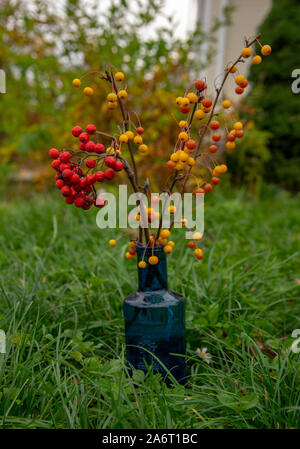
(61, 308)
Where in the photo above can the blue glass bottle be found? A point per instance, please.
(155, 320)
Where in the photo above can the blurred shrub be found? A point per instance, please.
(250, 160)
(44, 45)
(276, 106)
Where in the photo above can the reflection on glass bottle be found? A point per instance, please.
(155, 320)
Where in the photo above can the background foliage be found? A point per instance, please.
(41, 107)
(276, 107)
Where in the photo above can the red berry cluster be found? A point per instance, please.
(75, 184)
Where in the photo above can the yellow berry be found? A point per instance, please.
(193, 98)
(183, 157)
(112, 97)
(142, 264)
(132, 244)
(191, 161)
(198, 251)
(112, 105)
(220, 169)
(153, 260)
(232, 68)
(168, 249)
(230, 145)
(179, 100)
(174, 157)
(123, 138)
(130, 135)
(119, 76)
(197, 236)
(172, 209)
(171, 243)
(112, 242)
(138, 217)
(266, 50)
(122, 94)
(257, 59)
(246, 52)
(165, 233)
(179, 166)
(226, 104)
(183, 124)
(240, 79)
(88, 91)
(183, 136)
(138, 140)
(76, 82)
(184, 222)
(185, 102)
(128, 255)
(199, 114)
(143, 148)
(162, 242)
(238, 125)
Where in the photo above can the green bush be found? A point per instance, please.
(275, 106)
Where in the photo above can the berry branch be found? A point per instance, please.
(77, 172)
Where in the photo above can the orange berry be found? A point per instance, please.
(226, 104)
(206, 102)
(215, 180)
(200, 85)
(230, 137)
(183, 136)
(238, 125)
(122, 94)
(232, 68)
(168, 249)
(174, 157)
(193, 98)
(171, 165)
(88, 91)
(138, 140)
(198, 251)
(239, 90)
(185, 109)
(213, 149)
(119, 76)
(239, 79)
(257, 59)
(246, 52)
(76, 82)
(191, 144)
(130, 135)
(199, 114)
(214, 124)
(143, 148)
(142, 264)
(230, 145)
(207, 188)
(266, 50)
(153, 260)
(216, 137)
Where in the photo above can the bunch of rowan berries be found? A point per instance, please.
(78, 173)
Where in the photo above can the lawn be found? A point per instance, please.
(62, 289)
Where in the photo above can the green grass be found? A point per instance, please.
(62, 289)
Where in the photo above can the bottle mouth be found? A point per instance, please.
(142, 248)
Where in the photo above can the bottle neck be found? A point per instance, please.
(153, 277)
